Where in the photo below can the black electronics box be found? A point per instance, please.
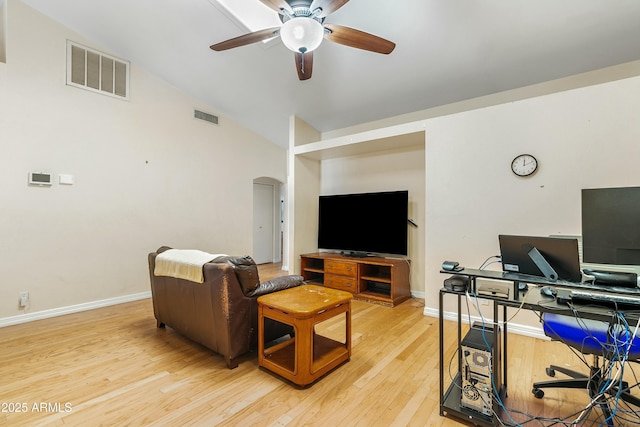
(457, 283)
(479, 381)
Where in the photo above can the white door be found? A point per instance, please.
(263, 195)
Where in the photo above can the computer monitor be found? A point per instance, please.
(551, 257)
(611, 225)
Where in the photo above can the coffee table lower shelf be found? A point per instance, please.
(325, 351)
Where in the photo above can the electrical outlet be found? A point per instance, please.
(24, 298)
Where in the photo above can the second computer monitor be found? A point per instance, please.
(521, 254)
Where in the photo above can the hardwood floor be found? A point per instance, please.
(112, 366)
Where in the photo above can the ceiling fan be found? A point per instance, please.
(303, 29)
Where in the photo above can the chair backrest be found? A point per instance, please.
(613, 341)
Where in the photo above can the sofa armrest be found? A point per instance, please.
(277, 284)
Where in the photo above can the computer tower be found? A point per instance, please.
(479, 382)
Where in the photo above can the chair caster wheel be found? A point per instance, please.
(551, 372)
(538, 393)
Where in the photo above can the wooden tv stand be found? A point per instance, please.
(378, 280)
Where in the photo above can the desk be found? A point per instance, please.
(450, 397)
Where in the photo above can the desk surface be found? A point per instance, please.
(515, 277)
(532, 299)
(538, 280)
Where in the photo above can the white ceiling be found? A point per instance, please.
(447, 51)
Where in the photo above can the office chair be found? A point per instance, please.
(609, 343)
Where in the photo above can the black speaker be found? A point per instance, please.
(456, 283)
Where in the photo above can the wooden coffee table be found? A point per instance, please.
(308, 355)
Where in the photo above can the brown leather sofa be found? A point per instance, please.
(221, 313)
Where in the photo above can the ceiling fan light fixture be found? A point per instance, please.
(302, 34)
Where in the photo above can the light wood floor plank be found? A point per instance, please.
(114, 367)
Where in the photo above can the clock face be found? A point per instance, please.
(524, 165)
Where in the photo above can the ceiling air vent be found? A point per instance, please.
(205, 116)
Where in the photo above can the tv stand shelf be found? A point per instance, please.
(372, 279)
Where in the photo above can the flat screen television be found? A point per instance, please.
(611, 225)
(364, 223)
(560, 253)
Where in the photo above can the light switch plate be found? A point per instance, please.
(65, 179)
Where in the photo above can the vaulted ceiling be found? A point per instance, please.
(447, 51)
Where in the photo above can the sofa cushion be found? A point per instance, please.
(278, 284)
(246, 271)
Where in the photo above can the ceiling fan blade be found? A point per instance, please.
(358, 39)
(256, 36)
(277, 5)
(304, 65)
(327, 6)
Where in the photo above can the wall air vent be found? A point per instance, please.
(205, 116)
(95, 71)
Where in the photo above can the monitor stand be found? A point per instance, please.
(543, 264)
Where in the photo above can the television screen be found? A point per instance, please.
(611, 225)
(364, 223)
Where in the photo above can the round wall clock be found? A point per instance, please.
(524, 165)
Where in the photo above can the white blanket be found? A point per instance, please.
(183, 264)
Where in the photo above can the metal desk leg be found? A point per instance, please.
(495, 359)
(459, 333)
(441, 344)
(503, 357)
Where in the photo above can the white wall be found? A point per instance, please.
(2, 34)
(147, 174)
(385, 171)
(583, 138)
(303, 190)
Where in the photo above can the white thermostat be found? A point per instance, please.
(39, 178)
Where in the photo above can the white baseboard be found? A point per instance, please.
(61, 311)
(515, 328)
(415, 294)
